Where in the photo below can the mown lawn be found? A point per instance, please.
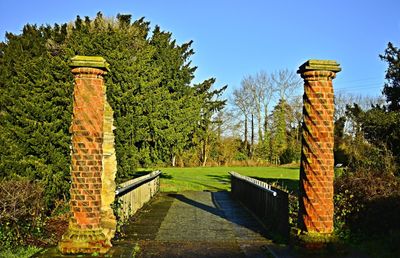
(20, 252)
(218, 179)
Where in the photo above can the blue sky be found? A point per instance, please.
(234, 38)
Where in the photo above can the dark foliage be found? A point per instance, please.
(368, 204)
(392, 87)
(376, 143)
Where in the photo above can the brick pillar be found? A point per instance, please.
(317, 164)
(84, 234)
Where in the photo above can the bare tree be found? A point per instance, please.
(343, 100)
(286, 83)
(241, 100)
(260, 90)
(254, 98)
(266, 91)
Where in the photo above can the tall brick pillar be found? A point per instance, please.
(85, 233)
(317, 164)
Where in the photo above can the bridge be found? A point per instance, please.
(196, 224)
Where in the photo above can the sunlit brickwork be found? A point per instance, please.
(317, 162)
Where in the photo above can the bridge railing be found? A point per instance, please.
(268, 203)
(133, 194)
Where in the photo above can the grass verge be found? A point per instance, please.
(20, 252)
(218, 179)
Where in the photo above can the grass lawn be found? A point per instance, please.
(218, 179)
(20, 252)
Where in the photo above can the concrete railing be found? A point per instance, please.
(268, 203)
(133, 194)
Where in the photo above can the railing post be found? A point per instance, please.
(317, 164)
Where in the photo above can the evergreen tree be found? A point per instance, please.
(392, 87)
(209, 105)
(279, 137)
(35, 115)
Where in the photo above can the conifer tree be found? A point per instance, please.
(392, 87)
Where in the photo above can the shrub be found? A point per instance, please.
(21, 212)
(360, 155)
(367, 204)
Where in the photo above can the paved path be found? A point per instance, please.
(196, 224)
(201, 224)
(190, 224)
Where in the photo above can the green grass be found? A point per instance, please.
(20, 252)
(218, 179)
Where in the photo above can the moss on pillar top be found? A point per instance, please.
(319, 65)
(90, 61)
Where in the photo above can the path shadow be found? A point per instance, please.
(165, 175)
(228, 209)
(214, 188)
(224, 179)
(196, 204)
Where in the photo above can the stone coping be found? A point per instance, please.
(319, 65)
(90, 61)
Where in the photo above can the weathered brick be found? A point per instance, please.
(94, 203)
(79, 162)
(83, 168)
(95, 170)
(83, 203)
(80, 180)
(90, 180)
(79, 197)
(87, 174)
(88, 157)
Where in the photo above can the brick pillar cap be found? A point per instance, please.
(90, 61)
(319, 65)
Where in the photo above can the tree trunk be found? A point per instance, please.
(245, 135)
(260, 131)
(173, 160)
(266, 140)
(204, 152)
(252, 136)
(266, 122)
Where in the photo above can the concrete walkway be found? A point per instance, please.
(196, 224)
(190, 224)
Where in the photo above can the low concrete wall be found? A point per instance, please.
(133, 194)
(268, 203)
